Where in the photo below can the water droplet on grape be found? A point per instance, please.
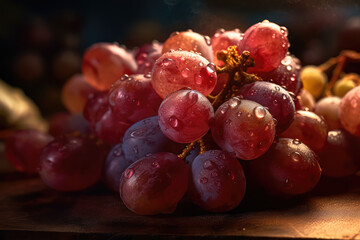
(174, 34)
(185, 73)
(250, 133)
(203, 180)
(147, 75)
(207, 40)
(124, 77)
(117, 152)
(249, 115)
(136, 149)
(128, 173)
(265, 21)
(233, 102)
(155, 164)
(228, 121)
(296, 141)
(219, 31)
(275, 102)
(198, 79)
(174, 122)
(168, 62)
(289, 68)
(207, 164)
(214, 174)
(296, 156)
(259, 112)
(353, 103)
(284, 31)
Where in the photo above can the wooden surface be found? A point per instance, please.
(28, 208)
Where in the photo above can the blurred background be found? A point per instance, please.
(42, 42)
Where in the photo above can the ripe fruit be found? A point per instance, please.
(349, 111)
(313, 79)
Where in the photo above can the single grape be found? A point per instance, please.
(286, 75)
(309, 128)
(75, 92)
(72, 162)
(288, 168)
(328, 107)
(63, 123)
(145, 137)
(147, 55)
(244, 127)
(109, 128)
(217, 181)
(276, 99)
(222, 40)
(185, 115)
(154, 184)
(189, 41)
(305, 100)
(313, 79)
(349, 111)
(104, 63)
(267, 43)
(343, 86)
(24, 147)
(96, 105)
(179, 69)
(132, 98)
(115, 164)
(338, 158)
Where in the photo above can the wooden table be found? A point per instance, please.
(30, 210)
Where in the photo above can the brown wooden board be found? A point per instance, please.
(27, 206)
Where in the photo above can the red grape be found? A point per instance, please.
(244, 127)
(328, 107)
(276, 99)
(154, 184)
(338, 157)
(267, 43)
(147, 55)
(132, 98)
(349, 111)
(63, 123)
(104, 63)
(178, 69)
(96, 106)
(309, 128)
(24, 147)
(189, 41)
(288, 168)
(75, 92)
(71, 163)
(185, 115)
(217, 181)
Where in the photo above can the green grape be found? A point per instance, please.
(343, 86)
(313, 79)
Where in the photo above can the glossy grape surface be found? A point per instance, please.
(132, 98)
(147, 55)
(286, 75)
(75, 92)
(267, 43)
(185, 115)
(179, 69)
(349, 111)
(306, 100)
(145, 137)
(288, 168)
(244, 127)
(189, 41)
(104, 63)
(96, 105)
(72, 163)
(338, 158)
(217, 181)
(24, 147)
(328, 107)
(276, 99)
(309, 128)
(154, 184)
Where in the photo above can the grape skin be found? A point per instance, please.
(147, 55)
(96, 106)
(185, 115)
(217, 181)
(309, 128)
(23, 149)
(288, 168)
(132, 98)
(313, 79)
(244, 127)
(154, 184)
(179, 69)
(104, 63)
(72, 162)
(276, 99)
(189, 41)
(349, 111)
(328, 107)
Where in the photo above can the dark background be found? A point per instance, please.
(42, 42)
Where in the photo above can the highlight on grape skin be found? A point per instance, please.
(178, 69)
(189, 41)
(185, 115)
(154, 184)
(244, 127)
(104, 63)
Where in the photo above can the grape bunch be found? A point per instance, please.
(197, 116)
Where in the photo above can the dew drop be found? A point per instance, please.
(296, 156)
(233, 102)
(185, 73)
(124, 77)
(224, 108)
(239, 113)
(203, 180)
(275, 102)
(174, 34)
(192, 96)
(250, 133)
(296, 141)
(214, 174)
(265, 21)
(242, 35)
(219, 31)
(128, 173)
(277, 88)
(249, 115)
(228, 121)
(284, 97)
(174, 122)
(136, 149)
(289, 68)
(155, 164)
(167, 62)
(259, 112)
(207, 164)
(284, 31)
(207, 40)
(353, 103)
(147, 75)
(211, 69)
(198, 79)
(117, 152)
